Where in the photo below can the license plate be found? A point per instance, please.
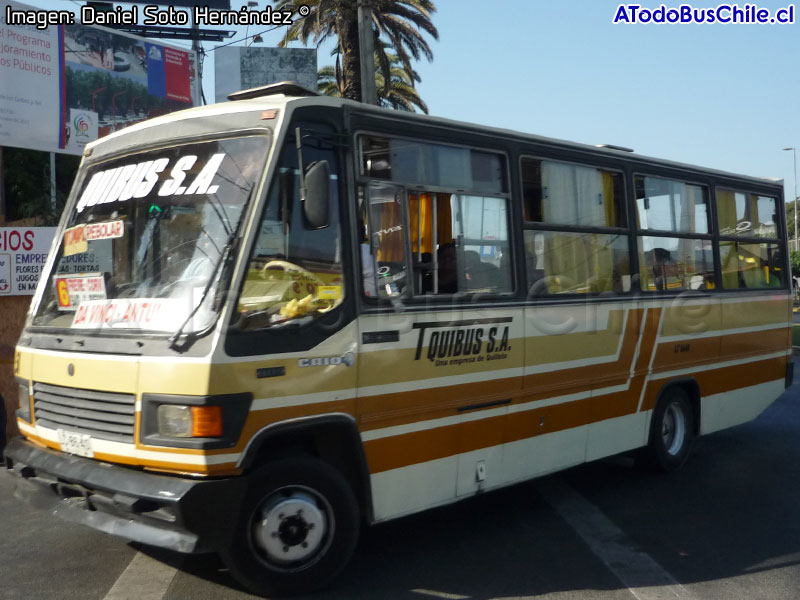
(75, 443)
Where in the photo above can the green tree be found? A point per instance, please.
(794, 260)
(398, 27)
(790, 222)
(27, 184)
(400, 93)
(329, 82)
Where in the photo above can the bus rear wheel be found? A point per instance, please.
(297, 529)
(671, 430)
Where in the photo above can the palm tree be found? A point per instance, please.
(400, 93)
(329, 82)
(401, 23)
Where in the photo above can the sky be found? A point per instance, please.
(719, 96)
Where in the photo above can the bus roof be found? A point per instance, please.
(283, 94)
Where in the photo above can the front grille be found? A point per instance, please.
(103, 415)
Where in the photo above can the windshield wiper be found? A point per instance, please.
(175, 339)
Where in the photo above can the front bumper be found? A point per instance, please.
(181, 514)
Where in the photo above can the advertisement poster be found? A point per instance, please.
(31, 86)
(23, 252)
(66, 85)
(81, 129)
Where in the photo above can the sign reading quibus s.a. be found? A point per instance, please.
(23, 252)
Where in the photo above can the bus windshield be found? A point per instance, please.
(145, 244)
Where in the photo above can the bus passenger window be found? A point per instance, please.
(746, 265)
(385, 253)
(750, 246)
(674, 262)
(434, 242)
(668, 205)
(576, 263)
(557, 193)
(467, 251)
(746, 215)
(668, 264)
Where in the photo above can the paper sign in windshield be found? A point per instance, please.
(104, 231)
(75, 241)
(73, 290)
(329, 292)
(138, 180)
(154, 314)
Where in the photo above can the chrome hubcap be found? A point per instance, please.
(673, 429)
(290, 526)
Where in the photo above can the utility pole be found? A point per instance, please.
(53, 182)
(366, 48)
(198, 65)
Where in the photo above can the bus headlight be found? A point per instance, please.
(198, 422)
(175, 420)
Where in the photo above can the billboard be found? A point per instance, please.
(66, 85)
(237, 68)
(23, 252)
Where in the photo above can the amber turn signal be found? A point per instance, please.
(206, 421)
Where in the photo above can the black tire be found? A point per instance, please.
(671, 431)
(297, 529)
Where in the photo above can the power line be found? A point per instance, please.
(246, 38)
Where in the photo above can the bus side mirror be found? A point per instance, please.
(317, 194)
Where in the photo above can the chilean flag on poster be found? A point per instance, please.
(168, 73)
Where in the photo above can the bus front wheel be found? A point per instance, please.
(297, 529)
(671, 430)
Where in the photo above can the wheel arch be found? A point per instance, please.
(692, 389)
(333, 438)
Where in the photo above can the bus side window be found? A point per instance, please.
(459, 243)
(452, 241)
(383, 252)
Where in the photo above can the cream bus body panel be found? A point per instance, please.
(445, 365)
(525, 416)
(579, 417)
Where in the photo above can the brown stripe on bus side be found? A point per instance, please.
(422, 446)
(724, 379)
(402, 408)
(720, 348)
(671, 355)
(574, 380)
(718, 381)
(412, 448)
(754, 343)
